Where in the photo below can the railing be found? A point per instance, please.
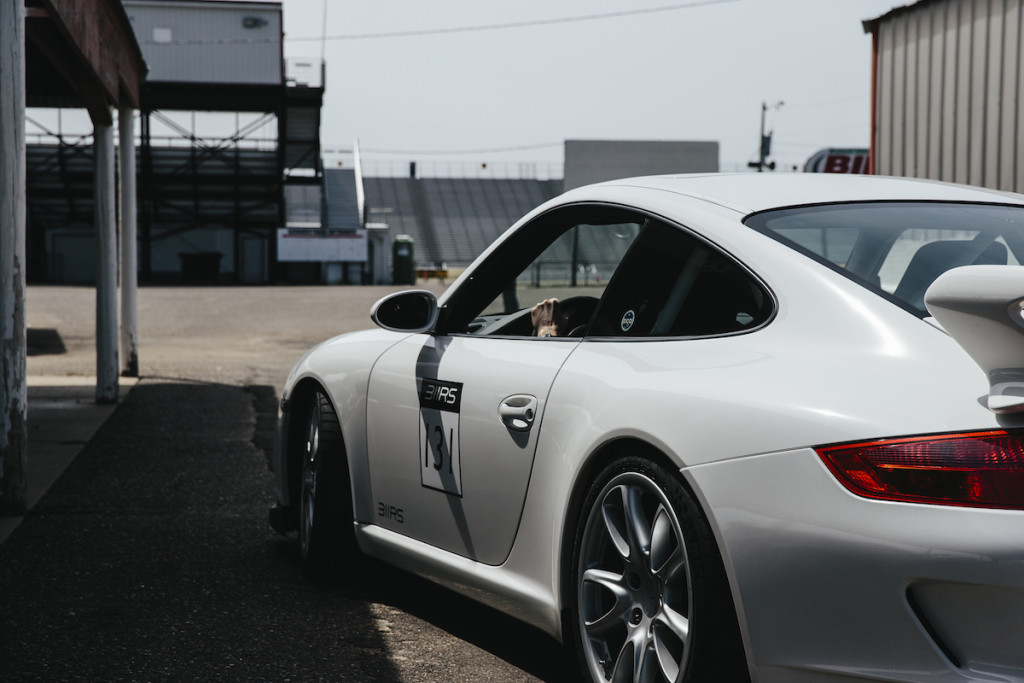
(523, 170)
(161, 142)
(220, 130)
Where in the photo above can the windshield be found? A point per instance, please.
(899, 248)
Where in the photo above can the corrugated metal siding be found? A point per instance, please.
(181, 41)
(949, 97)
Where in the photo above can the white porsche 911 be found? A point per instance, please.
(700, 428)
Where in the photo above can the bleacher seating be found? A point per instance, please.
(452, 220)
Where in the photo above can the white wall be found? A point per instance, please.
(593, 161)
(184, 41)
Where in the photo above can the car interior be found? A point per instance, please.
(664, 282)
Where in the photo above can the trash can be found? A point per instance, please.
(403, 271)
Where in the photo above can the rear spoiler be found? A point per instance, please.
(982, 308)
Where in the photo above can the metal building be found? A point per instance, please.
(947, 93)
(208, 43)
(223, 134)
(211, 201)
(594, 161)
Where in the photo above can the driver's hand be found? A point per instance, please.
(547, 318)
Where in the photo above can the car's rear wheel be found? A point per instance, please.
(326, 538)
(649, 598)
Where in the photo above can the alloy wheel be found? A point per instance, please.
(634, 585)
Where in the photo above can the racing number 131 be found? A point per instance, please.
(440, 403)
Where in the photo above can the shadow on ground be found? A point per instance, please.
(44, 341)
(151, 559)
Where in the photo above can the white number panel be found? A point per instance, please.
(439, 436)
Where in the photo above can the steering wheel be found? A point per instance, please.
(577, 310)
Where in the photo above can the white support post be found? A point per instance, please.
(13, 344)
(129, 257)
(105, 220)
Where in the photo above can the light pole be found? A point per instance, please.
(766, 142)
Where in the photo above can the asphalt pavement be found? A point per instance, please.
(149, 556)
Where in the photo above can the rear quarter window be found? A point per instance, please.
(672, 284)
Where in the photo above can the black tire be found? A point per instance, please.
(326, 537)
(648, 598)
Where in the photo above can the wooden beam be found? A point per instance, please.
(92, 45)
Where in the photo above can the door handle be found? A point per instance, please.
(518, 412)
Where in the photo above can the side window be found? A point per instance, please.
(578, 263)
(673, 285)
(569, 256)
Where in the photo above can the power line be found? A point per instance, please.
(451, 30)
(517, 24)
(421, 152)
(443, 31)
(323, 36)
(846, 100)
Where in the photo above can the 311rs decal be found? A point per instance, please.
(439, 436)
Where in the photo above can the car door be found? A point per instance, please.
(454, 423)
(454, 416)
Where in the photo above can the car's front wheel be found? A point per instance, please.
(326, 538)
(649, 598)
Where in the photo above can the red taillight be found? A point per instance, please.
(975, 469)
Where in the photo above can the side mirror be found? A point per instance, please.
(410, 311)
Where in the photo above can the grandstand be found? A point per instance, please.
(452, 220)
(195, 198)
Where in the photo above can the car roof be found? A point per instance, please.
(752, 192)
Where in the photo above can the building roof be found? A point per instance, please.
(871, 24)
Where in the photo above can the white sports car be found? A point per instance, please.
(700, 428)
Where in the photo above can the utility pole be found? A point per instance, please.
(766, 142)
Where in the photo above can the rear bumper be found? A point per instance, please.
(831, 584)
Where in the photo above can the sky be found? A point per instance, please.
(509, 97)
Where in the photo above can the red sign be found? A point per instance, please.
(838, 161)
